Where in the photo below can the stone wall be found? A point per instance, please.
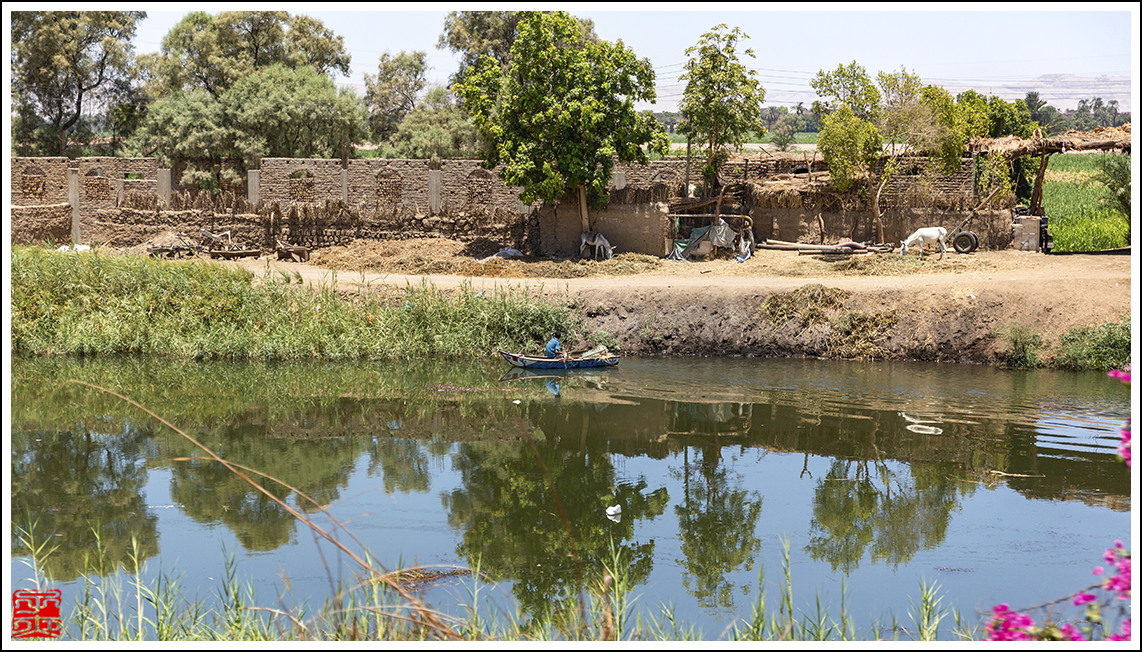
(320, 202)
(993, 227)
(39, 181)
(49, 223)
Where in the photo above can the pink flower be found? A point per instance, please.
(1006, 625)
(1071, 633)
(1123, 634)
(1083, 598)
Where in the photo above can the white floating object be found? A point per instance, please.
(615, 513)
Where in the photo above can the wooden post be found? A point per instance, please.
(583, 208)
(687, 189)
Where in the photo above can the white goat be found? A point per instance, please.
(923, 237)
(600, 245)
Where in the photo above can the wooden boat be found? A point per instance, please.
(570, 362)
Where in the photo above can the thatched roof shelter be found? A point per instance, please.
(1100, 138)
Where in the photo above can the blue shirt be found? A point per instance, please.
(553, 347)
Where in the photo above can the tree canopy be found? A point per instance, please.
(562, 111)
(722, 102)
(435, 129)
(849, 85)
(213, 52)
(391, 94)
(474, 34)
(274, 112)
(62, 63)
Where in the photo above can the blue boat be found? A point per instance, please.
(605, 359)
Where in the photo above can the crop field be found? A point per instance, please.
(1074, 202)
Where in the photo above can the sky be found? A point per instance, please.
(995, 48)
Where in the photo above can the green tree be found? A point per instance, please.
(63, 62)
(1114, 173)
(473, 34)
(213, 52)
(1050, 120)
(275, 112)
(563, 111)
(972, 119)
(849, 85)
(850, 147)
(391, 94)
(721, 105)
(785, 132)
(435, 129)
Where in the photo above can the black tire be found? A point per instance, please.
(964, 242)
(974, 241)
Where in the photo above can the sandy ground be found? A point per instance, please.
(950, 309)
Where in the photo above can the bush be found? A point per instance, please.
(1025, 345)
(1100, 348)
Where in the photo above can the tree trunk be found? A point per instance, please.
(876, 210)
(583, 220)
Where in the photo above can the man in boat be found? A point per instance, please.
(554, 349)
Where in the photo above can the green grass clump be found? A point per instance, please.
(1025, 346)
(105, 304)
(1102, 347)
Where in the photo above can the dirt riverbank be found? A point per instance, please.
(881, 305)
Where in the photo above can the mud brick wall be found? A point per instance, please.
(97, 188)
(39, 224)
(148, 167)
(382, 187)
(39, 180)
(812, 226)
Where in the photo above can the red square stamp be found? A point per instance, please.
(35, 614)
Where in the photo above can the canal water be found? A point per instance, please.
(870, 477)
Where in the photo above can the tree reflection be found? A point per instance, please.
(84, 491)
(512, 524)
(866, 505)
(209, 493)
(403, 464)
(716, 524)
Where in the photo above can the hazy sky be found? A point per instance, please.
(982, 46)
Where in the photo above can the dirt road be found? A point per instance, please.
(946, 310)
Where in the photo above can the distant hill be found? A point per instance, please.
(1060, 91)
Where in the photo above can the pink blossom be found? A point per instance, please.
(1007, 625)
(1083, 598)
(1071, 633)
(1123, 634)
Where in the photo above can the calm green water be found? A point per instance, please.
(1002, 486)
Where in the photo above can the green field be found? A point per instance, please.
(1079, 218)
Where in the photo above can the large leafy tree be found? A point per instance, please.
(849, 85)
(63, 63)
(562, 111)
(474, 34)
(722, 102)
(274, 112)
(391, 94)
(213, 52)
(435, 129)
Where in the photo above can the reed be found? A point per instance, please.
(105, 304)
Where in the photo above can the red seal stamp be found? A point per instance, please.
(35, 614)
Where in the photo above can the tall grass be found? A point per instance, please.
(1080, 219)
(106, 304)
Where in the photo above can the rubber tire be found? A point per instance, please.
(974, 241)
(964, 242)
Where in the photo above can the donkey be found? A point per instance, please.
(923, 237)
(595, 240)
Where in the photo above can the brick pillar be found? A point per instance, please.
(73, 199)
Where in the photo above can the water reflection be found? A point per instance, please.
(528, 473)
